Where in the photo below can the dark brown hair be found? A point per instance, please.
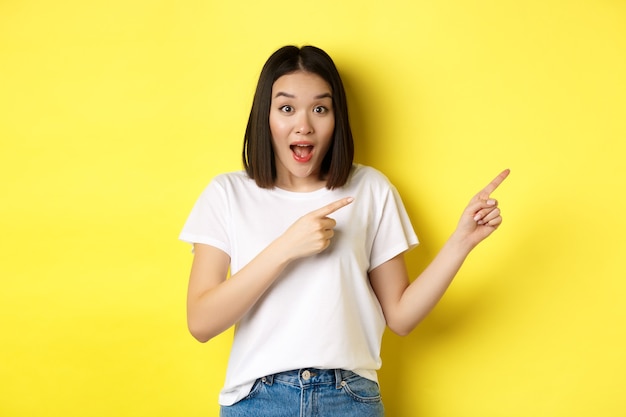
(258, 154)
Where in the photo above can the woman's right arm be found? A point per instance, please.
(215, 303)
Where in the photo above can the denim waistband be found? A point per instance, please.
(311, 376)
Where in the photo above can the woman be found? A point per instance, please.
(315, 245)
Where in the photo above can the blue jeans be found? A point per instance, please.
(310, 393)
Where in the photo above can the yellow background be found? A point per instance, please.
(115, 114)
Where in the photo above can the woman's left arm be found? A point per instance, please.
(404, 304)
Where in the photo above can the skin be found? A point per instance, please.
(406, 305)
(214, 303)
(301, 114)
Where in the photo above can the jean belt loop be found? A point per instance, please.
(338, 379)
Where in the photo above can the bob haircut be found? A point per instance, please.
(258, 153)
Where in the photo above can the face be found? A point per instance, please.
(302, 122)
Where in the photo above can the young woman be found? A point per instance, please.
(314, 245)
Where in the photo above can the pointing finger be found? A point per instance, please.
(332, 207)
(490, 188)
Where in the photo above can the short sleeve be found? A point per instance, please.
(394, 233)
(209, 220)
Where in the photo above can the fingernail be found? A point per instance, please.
(350, 199)
(491, 202)
(477, 217)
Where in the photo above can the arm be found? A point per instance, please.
(215, 303)
(404, 304)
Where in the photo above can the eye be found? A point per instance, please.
(320, 110)
(286, 108)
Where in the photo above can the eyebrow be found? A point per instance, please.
(283, 94)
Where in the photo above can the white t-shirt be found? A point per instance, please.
(321, 312)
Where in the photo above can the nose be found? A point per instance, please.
(304, 125)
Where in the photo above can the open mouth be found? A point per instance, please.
(302, 152)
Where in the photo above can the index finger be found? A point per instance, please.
(333, 207)
(491, 187)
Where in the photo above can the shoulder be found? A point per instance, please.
(227, 184)
(369, 175)
(231, 180)
(232, 177)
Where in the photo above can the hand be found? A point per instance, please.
(311, 233)
(482, 216)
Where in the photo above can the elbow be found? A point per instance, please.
(401, 330)
(401, 327)
(200, 338)
(199, 333)
(403, 333)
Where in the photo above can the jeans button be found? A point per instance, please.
(306, 375)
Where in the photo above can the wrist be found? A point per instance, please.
(281, 251)
(460, 243)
